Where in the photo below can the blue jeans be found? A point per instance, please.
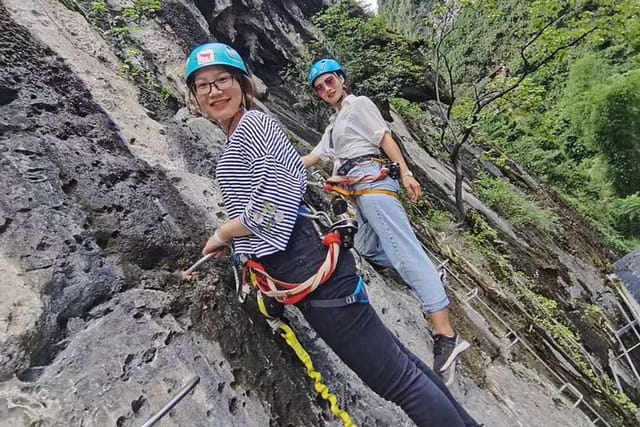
(385, 237)
(360, 339)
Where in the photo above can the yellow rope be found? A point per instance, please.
(291, 339)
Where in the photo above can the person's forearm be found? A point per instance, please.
(392, 150)
(232, 229)
(310, 160)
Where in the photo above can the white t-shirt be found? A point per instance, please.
(355, 130)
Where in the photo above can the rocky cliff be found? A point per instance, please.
(108, 192)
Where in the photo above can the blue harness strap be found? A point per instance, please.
(359, 296)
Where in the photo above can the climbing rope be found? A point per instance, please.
(291, 339)
(272, 316)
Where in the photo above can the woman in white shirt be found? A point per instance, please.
(354, 138)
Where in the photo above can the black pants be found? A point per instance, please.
(358, 336)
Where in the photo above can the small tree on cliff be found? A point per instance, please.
(544, 33)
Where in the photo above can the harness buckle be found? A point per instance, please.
(347, 228)
(394, 170)
(350, 163)
(239, 260)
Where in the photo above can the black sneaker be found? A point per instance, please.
(446, 351)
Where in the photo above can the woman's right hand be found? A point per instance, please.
(216, 246)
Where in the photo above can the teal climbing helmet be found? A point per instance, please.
(209, 54)
(325, 66)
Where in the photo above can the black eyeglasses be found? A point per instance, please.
(221, 83)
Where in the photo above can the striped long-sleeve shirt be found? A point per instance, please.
(263, 181)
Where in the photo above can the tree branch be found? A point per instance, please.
(560, 17)
(532, 69)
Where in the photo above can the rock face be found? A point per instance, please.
(108, 191)
(268, 33)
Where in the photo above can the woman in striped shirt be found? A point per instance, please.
(263, 181)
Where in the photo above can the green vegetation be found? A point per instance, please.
(484, 239)
(515, 206)
(574, 122)
(551, 85)
(548, 315)
(117, 25)
(99, 8)
(140, 9)
(386, 64)
(616, 130)
(409, 111)
(440, 220)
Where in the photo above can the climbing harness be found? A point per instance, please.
(292, 293)
(272, 294)
(359, 296)
(341, 184)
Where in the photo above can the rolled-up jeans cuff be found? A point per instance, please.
(440, 305)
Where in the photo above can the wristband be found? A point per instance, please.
(216, 234)
(407, 173)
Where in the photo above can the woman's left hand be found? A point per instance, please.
(413, 187)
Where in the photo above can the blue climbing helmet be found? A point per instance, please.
(209, 54)
(325, 66)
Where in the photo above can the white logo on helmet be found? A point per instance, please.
(232, 53)
(205, 56)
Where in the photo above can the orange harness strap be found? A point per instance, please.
(357, 193)
(293, 293)
(338, 184)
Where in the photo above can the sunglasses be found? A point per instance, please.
(330, 82)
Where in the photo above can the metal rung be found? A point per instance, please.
(595, 420)
(472, 294)
(626, 327)
(575, 392)
(515, 336)
(627, 350)
(443, 263)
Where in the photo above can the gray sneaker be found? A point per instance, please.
(446, 350)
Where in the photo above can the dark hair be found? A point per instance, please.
(247, 85)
